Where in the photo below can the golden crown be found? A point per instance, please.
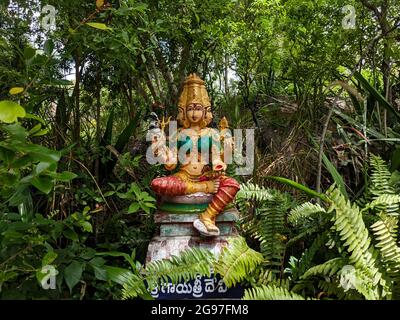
(194, 91)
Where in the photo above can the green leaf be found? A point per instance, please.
(381, 100)
(49, 258)
(18, 132)
(29, 53)
(72, 274)
(86, 226)
(88, 253)
(134, 207)
(335, 175)
(71, 234)
(64, 176)
(97, 25)
(118, 254)
(16, 90)
(106, 140)
(299, 186)
(40, 153)
(41, 133)
(42, 166)
(8, 179)
(35, 129)
(134, 188)
(11, 111)
(44, 184)
(35, 117)
(48, 47)
(99, 272)
(118, 275)
(127, 133)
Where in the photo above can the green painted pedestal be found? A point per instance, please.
(176, 231)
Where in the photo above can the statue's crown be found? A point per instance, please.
(194, 91)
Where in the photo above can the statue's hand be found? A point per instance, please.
(219, 166)
(216, 185)
(159, 147)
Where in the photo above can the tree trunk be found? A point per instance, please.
(77, 112)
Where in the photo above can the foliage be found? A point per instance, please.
(235, 263)
(271, 293)
(74, 106)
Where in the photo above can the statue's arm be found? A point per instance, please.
(171, 159)
(217, 163)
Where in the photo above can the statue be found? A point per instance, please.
(203, 168)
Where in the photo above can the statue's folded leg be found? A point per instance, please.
(226, 193)
(179, 184)
(169, 186)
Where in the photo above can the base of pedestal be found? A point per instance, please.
(178, 234)
(166, 247)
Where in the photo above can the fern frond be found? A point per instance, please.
(237, 261)
(380, 184)
(304, 212)
(386, 242)
(389, 203)
(184, 267)
(270, 292)
(331, 288)
(272, 229)
(328, 268)
(305, 261)
(134, 287)
(249, 194)
(252, 191)
(268, 223)
(348, 222)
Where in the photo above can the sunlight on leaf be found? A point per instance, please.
(97, 25)
(10, 111)
(99, 3)
(16, 90)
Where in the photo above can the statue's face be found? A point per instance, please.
(195, 113)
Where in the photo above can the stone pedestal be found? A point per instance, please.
(176, 231)
(175, 218)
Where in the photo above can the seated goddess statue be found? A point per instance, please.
(202, 167)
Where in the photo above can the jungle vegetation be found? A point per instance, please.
(319, 83)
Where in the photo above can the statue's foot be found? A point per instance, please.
(206, 229)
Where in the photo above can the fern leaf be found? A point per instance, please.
(389, 203)
(306, 211)
(305, 261)
(380, 184)
(181, 268)
(328, 268)
(237, 261)
(184, 267)
(386, 242)
(268, 223)
(251, 191)
(270, 293)
(348, 222)
(272, 216)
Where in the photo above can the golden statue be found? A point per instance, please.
(202, 171)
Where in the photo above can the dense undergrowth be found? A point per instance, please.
(319, 214)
